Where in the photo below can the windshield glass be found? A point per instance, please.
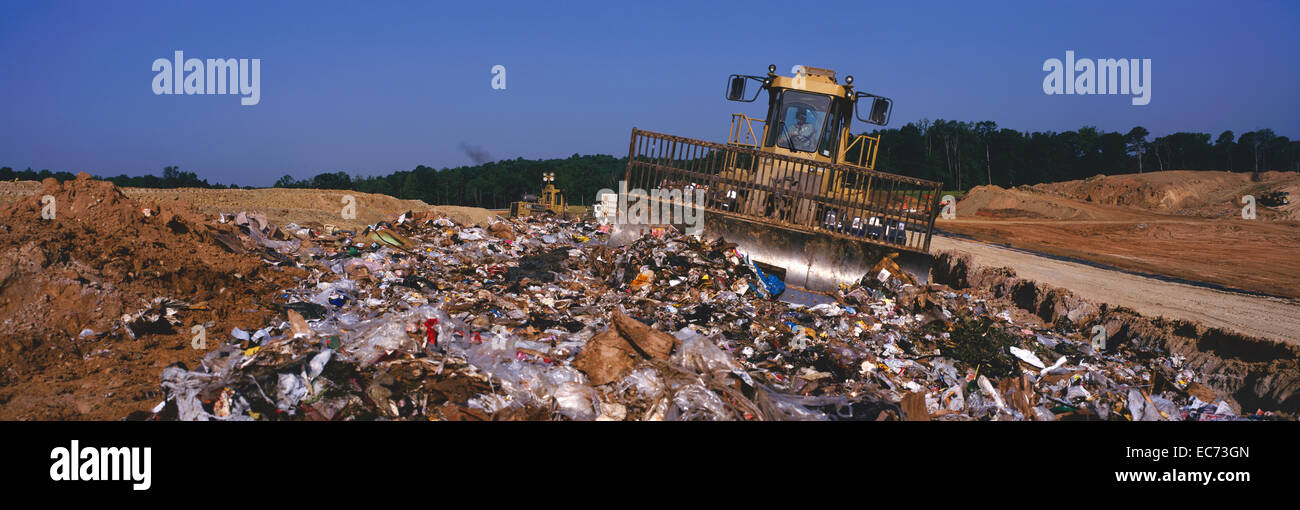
(800, 120)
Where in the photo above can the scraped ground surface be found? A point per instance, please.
(1259, 316)
(1180, 224)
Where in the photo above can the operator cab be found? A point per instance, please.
(808, 116)
(804, 122)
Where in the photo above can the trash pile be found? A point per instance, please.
(540, 319)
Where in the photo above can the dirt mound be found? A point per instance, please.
(997, 202)
(282, 206)
(1177, 192)
(11, 191)
(1183, 192)
(72, 289)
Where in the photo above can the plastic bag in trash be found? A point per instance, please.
(317, 363)
(576, 401)
(382, 338)
(645, 381)
(693, 401)
(770, 285)
(789, 408)
(289, 390)
(700, 354)
(183, 387)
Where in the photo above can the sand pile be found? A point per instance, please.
(998, 202)
(1183, 192)
(1178, 192)
(1160, 191)
(282, 206)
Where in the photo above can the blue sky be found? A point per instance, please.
(373, 87)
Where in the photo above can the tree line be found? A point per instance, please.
(172, 177)
(967, 154)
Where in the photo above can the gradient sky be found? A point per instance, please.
(374, 87)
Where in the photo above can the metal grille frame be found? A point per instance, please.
(789, 192)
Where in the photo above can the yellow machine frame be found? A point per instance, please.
(551, 199)
(824, 216)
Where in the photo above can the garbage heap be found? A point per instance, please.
(539, 319)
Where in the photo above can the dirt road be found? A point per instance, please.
(1261, 316)
(1180, 224)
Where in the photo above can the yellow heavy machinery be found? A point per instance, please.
(551, 200)
(800, 194)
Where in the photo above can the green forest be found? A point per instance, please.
(961, 154)
(967, 154)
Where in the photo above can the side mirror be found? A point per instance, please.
(736, 88)
(878, 112)
(736, 91)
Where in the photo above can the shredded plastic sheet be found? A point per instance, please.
(1027, 356)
